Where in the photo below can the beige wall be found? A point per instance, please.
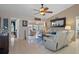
(70, 15)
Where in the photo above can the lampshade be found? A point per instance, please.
(68, 27)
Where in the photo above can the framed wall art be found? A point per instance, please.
(59, 22)
(24, 23)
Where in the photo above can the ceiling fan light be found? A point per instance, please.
(42, 13)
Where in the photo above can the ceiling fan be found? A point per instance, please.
(43, 10)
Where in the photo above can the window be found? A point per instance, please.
(5, 24)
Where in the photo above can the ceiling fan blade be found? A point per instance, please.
(49, 12)
(35, 9)
(36, 13)
(46, 8)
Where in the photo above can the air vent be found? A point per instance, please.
(38, 19)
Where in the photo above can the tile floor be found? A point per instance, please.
(23, 47)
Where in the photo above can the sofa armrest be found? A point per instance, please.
(49, 38)
(50, 43)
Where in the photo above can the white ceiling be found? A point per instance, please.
(27, 10)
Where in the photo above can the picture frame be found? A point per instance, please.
(58, 22)
(24, 23)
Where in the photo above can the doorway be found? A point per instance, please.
(77, 28)
(13, 28)
(77, 33)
